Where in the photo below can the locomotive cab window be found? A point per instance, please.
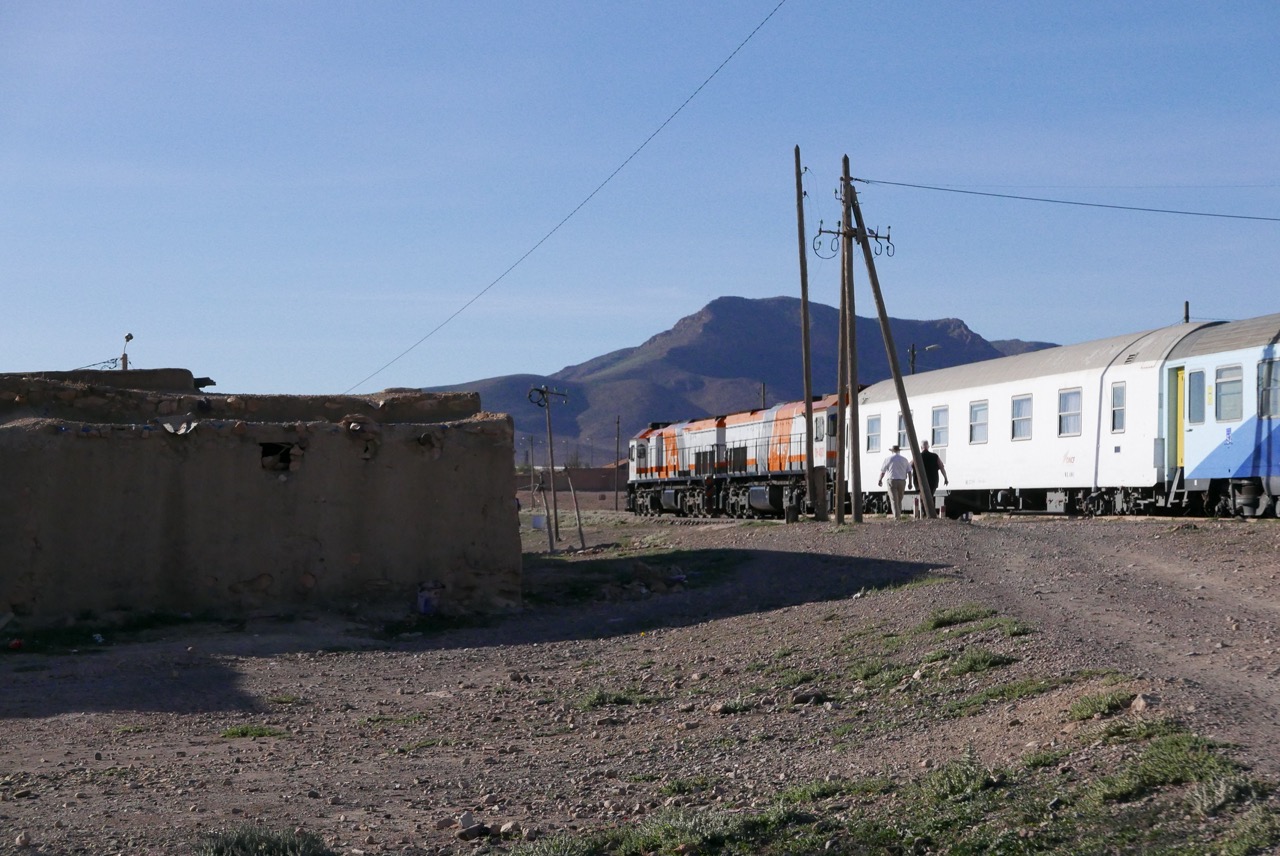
(1069, 413)
(832, 428)
(873, 433)
(1228, 399)
(1269, 389)
(1020, 428)
(939, 429)
(819, 428)
(1195, 398)
(977, 422)
(1117, 408)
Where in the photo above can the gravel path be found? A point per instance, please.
(736, 686)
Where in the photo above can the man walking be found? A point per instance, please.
(933, 465)
(897, 468)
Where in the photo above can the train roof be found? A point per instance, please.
(1130, 348)
(1231, 336)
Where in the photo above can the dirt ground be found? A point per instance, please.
(732, 642)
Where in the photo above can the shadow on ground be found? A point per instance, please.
(574, 598)
(192, 668)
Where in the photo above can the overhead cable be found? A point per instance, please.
(577, 208)
(1069, 202)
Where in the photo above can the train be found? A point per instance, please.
(1183, 419)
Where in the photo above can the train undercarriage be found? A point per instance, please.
(780, 497)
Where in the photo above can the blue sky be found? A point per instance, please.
(287, 196)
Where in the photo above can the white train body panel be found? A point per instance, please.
(1075, 417)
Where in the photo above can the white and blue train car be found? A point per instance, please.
(1075, 428)
(1223, 418)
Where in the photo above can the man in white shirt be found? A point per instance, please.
(897, 468)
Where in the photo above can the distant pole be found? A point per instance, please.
(817, 493)
(923, 483)
(617, 456)
(124, 353)
(911, 355)
(851, 355)
(762, 405)
(541, 396)
(1186, 312)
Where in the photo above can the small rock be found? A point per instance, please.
(472, 832)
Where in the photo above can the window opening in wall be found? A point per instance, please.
(1117, 408)
(977, 422)
(1195, 397)
(1269, 389)
(1021, 408)
(873, 433)
(277, 456)
(1228, 401)
(1069, 420)
(941, 419)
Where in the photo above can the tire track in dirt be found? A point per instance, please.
(1151, 612)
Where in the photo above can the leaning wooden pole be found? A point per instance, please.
(851, 353)
(926, 494)
(817, 492)
(892, 353)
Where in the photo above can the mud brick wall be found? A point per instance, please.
(126, 501)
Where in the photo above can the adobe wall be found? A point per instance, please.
(142, 500)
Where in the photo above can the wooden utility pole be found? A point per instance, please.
(851, 351)
(921, 482)
(617, 444)
(842, 428)
(817, 490)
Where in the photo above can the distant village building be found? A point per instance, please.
(136, 491)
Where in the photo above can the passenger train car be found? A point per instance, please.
(1181, 419)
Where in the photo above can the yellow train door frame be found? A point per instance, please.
(1181, 381)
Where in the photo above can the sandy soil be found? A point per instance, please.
(379, 745)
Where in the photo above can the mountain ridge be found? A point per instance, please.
(725, 357)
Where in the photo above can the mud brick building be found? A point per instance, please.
(136, 491)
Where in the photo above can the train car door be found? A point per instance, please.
(1179, 444)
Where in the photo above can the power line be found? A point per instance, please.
(1070, 202)
(578, 207)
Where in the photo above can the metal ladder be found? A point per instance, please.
(1178, 491)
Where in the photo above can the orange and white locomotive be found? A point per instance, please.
(747, 464)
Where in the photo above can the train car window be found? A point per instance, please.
(819, 428)
(977, 422)
(1021, 410)
(1069, 413)
(1228, 403)
(941, 420)
(873, 433)
(1117, 407)
(832, 428)
(1195, 398)
(1269, 389)
(902, 432)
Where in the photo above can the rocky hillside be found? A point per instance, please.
(729, 356)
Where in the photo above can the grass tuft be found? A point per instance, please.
(251, 840)
(1105, 704)
(252, 731)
